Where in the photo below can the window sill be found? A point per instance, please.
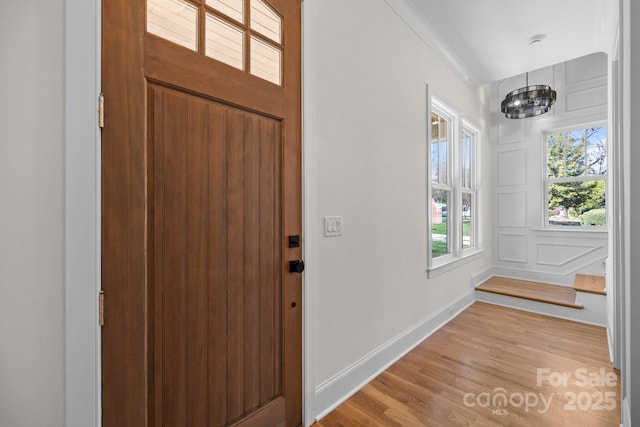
(447, 263)
(579, 230)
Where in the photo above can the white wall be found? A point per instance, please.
(365, 123)
(31, 213)
(522, 247)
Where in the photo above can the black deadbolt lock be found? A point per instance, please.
(294, 241)
(296, 266)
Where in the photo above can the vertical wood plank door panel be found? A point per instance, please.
(201, 187)
(202, 149)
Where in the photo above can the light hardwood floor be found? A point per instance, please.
(551, 372)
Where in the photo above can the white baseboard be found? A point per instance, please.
(585, 315)
(336, 390)
(483, 276)
(610, 345)
(626, 413)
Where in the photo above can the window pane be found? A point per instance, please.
(439, 224)
(577, 204)
(575, 150)
(438, 149)
(174, 20)
(555, 155)
(467, 221)
(232, 8)
(465, 159)
(266, 61)
(435, 119)
(266, 21)
(435, 155)
(225, 42)
(577, 153)
(596, 151)
(566, 154)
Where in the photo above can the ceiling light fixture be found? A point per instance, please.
(528, 101)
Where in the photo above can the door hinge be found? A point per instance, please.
(101, 110)
(101, 308)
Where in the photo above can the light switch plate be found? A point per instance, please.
(332, 226)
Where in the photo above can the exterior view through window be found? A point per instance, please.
(576, 178)
(440, 188)
(453, 151)
(467, 187)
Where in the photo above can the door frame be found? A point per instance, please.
(82, 40)
(310, 225)
(82, 247)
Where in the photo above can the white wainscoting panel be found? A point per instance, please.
(586, 69)
(558, 254)
(512, 167)
(585, 100)
(512, 209)
(513, 247)
(582, 87)
(510, 131)
(522, 242)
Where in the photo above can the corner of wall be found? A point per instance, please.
(338, 389)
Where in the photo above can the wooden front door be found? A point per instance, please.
(201, 189)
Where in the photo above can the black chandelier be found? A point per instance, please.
(528, 101)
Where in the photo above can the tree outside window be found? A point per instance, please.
(576, 178)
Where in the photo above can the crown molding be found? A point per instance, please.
(415, 20)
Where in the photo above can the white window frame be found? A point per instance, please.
(450, 116)
(472, 190)
(457, 254)
(584, 178)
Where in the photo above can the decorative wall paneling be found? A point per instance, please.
(522, 243)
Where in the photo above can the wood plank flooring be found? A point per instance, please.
(535, 291)
(494, 366)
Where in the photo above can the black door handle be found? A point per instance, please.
(296, 266)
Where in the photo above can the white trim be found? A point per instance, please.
(624, 281)
(450, 262)
(586, 315)
(475, 190)
(582, 178)
(338, 389)
(583, 233)
(626, 413)
(456, 123)
(560, 263)
(82, 213)
(311, 224)
(482, 277)
(564, 278)
(417, 22)
(610, 344)
(581, 124)
(616, 185)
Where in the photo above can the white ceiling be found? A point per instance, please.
(488, 40)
